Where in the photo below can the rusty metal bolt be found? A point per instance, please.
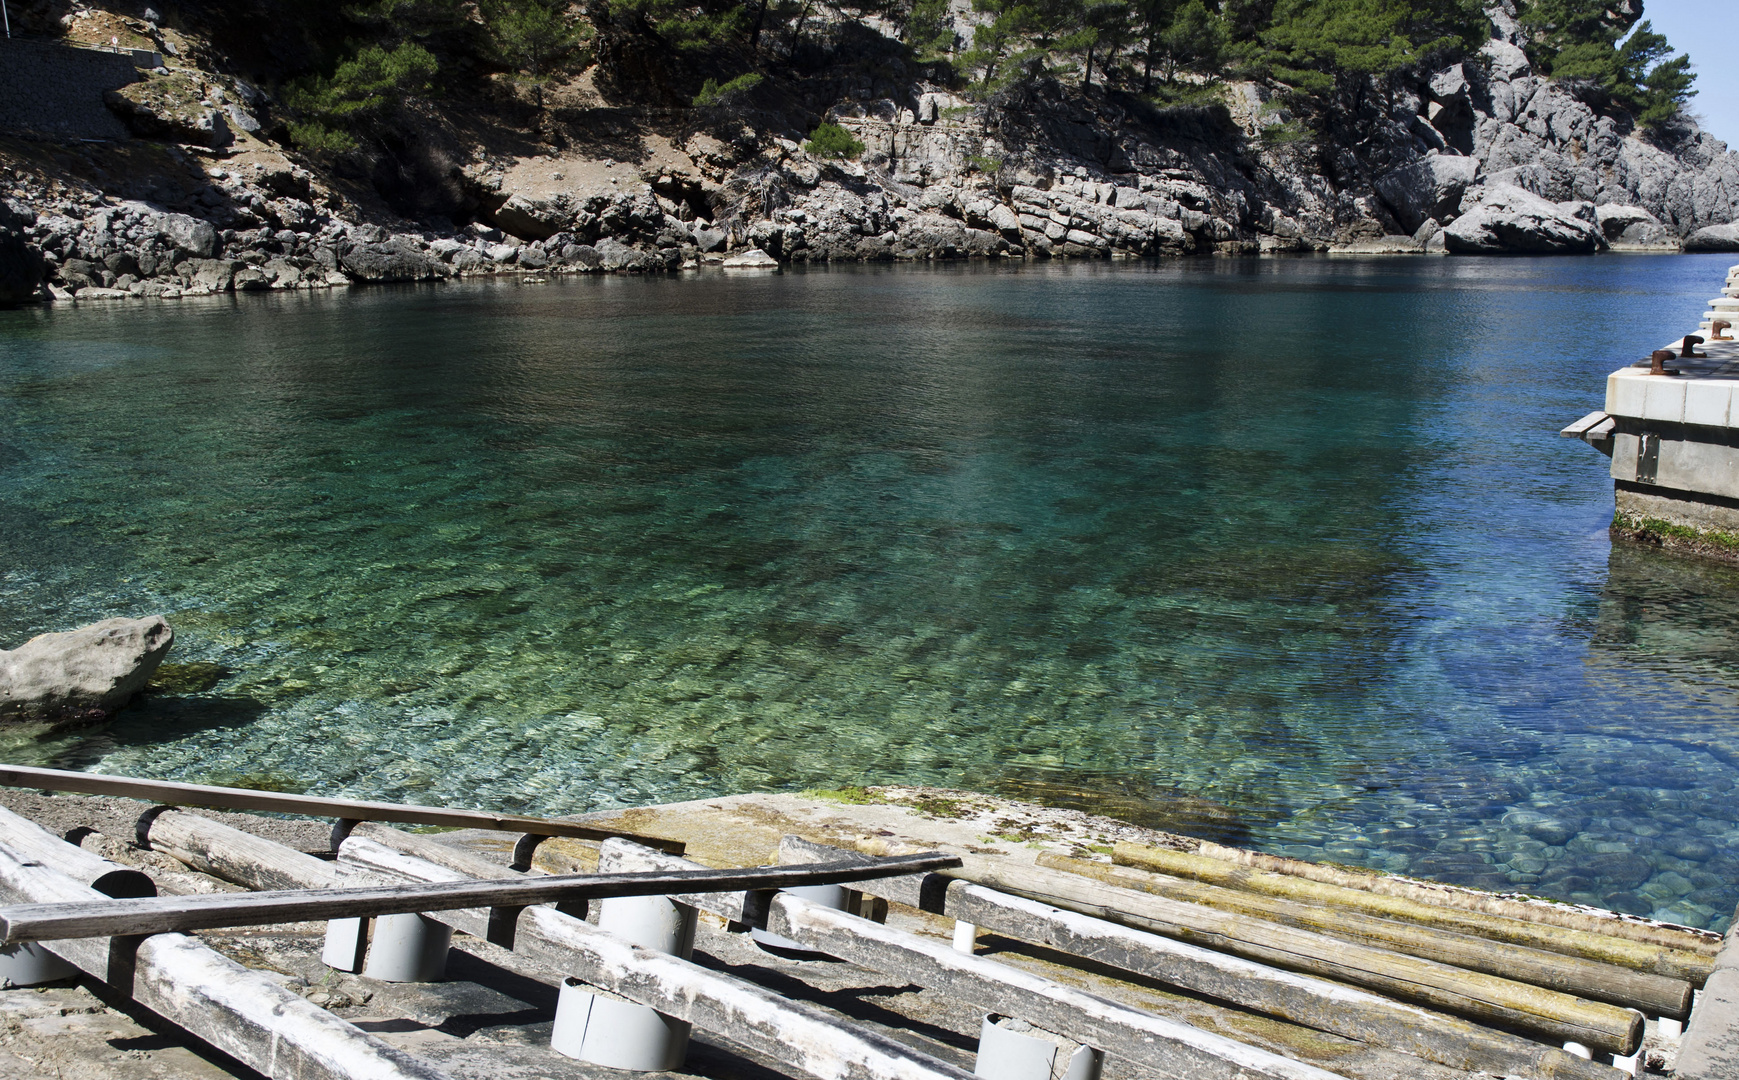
(1660, 358)
(1717, 328)
(1689, 352)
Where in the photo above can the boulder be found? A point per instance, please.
(752, 259)
(85, 674)
(1431, 187)
(197, 238)
(1508, 220)
(1714, 238)
(78, 274)
(615, 255)
(172, 107)
(390, 261)
(1631, 228)
(21, 265)
(214, 274)
(530, 219)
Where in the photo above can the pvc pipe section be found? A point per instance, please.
(603, 1029)
(29, 964)
(833, 896)
(346, 942)
(1014, 1050)
(408, 948)
(965, 937)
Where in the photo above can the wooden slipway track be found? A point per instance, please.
(1172, 958)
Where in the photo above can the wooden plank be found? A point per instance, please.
(1541, 912)
(176, 794)
(164, 914)
(1655, 995)
(1171, 1047)
(1300, 999)
(1579, 427)
(240, 1012)
(1351, 1061)
(804, 1037)
(1648, 957)
(1485, 998)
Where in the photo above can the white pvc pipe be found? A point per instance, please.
(29, 964)
(604, 1029)
(965, 937)
(408, 948)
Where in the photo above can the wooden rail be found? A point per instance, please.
(1654, 995)
(1300, 999)
(1165, 1045)
(177, 794)
(800, 1035)
(242, 1013)
(1487, 999)
(170, 914)
(1657, 950)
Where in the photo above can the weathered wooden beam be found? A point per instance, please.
(164, 791)
(1300, 999)
(92, 871)
(1485, 998)
(166, 914)
(240, 1012)
(231, 854)
(1703, 942)
(1655, 995)
(1661, 952)
(804, 1037)
(1166, 1045)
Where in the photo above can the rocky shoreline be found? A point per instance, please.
(1485, 157)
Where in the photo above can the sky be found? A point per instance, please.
(1709, 31)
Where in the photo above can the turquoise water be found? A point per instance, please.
(1284, 552)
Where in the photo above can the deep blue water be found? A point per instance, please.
(1284, 552)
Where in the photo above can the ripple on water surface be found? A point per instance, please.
(1284, 552)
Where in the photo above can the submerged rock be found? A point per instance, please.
(84, 674)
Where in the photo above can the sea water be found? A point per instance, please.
(1282, 552)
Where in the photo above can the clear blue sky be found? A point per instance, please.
(1709, 31)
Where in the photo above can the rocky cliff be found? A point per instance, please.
(1484, 156)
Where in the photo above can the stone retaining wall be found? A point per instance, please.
(57, 90)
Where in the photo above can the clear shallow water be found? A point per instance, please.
(1285, 552)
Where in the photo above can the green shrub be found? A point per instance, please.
(833, 141)
(362, 87)
(317, 138)
(711, 93)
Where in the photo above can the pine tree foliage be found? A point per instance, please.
(1584, 40)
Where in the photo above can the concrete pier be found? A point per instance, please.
(1673, 437)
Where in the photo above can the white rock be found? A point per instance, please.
(84, 674)
(752, 259)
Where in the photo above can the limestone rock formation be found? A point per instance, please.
(1714, 238)
(1506, 218)
(82, 675)
(1430, 188)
